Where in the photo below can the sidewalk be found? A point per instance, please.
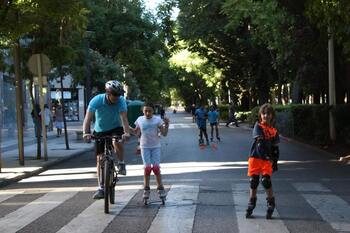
(11, 171)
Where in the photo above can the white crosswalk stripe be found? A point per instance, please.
(8, 194)
(178, 213)
(30, 212)
(331, 208)
(258, 223)
(182, 126)
(87, 221)
(180, 210)
(310, 187)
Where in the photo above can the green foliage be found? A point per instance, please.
(126, 34)
(311, 122)
(304, 122)
(223, 111)
(19, 18)
(342, 123)
(242, 116)
(253, 116)
(333, 15)
(203, 78)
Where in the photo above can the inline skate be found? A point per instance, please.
(251, 207)
(146, 194)
(270, 207)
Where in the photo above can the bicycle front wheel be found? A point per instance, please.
(107, 184)
(112, 187)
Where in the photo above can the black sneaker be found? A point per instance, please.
(99, 194)
(121, 169)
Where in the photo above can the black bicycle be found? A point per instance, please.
(108, 172)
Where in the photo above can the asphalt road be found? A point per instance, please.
(207, 191)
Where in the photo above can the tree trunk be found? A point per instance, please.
(296, 93)
(19, 103)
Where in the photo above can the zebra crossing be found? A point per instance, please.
(178, 214)
(182, 125)
(186, 125)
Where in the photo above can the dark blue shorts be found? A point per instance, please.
(100, 146)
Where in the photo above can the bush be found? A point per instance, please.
(242, 116)
(303, 122)
(253, 116)
(342, 123)
(223, 111)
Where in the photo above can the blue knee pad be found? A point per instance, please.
(266, 181)
(254, 182)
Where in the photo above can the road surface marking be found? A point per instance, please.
(8, 194)
(258, 223)
(93, 219)
(332, 209)
(181, 126)
(178, 213)
(18, 219)
(310, 187)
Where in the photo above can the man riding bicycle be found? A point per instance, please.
(110, 112)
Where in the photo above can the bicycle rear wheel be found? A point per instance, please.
(107, 183)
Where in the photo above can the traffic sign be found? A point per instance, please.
(33, 64)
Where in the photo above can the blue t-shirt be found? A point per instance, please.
(201, 114)
(262, 148)
(106, 115)
(213, 116)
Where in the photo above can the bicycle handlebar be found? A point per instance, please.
(104, 138)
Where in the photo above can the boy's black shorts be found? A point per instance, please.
(100, 146)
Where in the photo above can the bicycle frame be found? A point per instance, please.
(107, 171)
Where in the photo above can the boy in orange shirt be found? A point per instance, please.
(263, 158)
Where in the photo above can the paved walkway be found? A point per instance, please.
(12, 171)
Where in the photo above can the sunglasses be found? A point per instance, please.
(115, 94)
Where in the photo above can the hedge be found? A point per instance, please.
(309, 122)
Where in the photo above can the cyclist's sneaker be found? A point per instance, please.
(161, 192)
(99, 194)
(146, 193)
(211, 139)
(121, 169)
(218, 138)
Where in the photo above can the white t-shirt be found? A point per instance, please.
(149, 131)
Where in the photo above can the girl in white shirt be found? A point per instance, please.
(149, 126)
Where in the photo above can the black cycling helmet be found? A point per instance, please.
(114, 87)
